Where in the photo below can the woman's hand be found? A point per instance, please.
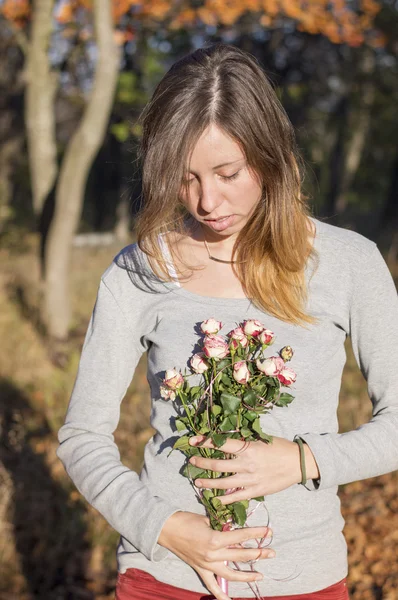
(190, 537)
(259, 469)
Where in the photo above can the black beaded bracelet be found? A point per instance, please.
(300, 444)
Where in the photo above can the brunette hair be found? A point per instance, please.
(222, 85)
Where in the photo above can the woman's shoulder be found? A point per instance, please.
(342, 243)
(130, 272)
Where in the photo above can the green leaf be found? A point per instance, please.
(239, 511)
(180, 425)
(204, 429)
(182, 444)
(208, 494)
(229, 403)
(250, 398)
(257, 428)
(218, 439)
(284, 400)
(216, 409)
(245, 432)
(259, 498)
(223, 363)
(225, 425)
(251, 415)
(195, 392)
(233, 420)
(226, 380)
(193, 472)
(216, 502)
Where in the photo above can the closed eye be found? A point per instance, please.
(230, 177)
(224, 177)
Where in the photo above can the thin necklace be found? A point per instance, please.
(226, 262)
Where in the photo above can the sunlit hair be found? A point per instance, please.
(227, 87)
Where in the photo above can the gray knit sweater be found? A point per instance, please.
(352, 293)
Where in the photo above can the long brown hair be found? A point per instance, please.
(225, 86)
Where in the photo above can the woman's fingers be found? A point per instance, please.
(218, 465)
(221, 483)
(240, 494)
(235, 575)
(248, 554)
(210, 582)
(243, 534)
(230, 447)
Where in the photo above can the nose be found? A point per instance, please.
(210, 196)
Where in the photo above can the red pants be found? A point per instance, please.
(135, 584)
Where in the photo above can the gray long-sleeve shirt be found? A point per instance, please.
(352, 293)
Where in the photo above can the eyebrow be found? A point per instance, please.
(232, 162)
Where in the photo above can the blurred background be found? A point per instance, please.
(74, 76)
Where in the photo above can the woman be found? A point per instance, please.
(225, 233)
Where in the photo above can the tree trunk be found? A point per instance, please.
(360, 119)
(336, 161)
(78, 159)
(123, 217)
(390, 212)
(8, 151)
(41, 86)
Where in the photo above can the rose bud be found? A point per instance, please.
(198, 363)
(241, 372)
(253, 327)
(287, 376)
(215, 346)
(286, 353)
(173, 379)
(266, 337)
(238, 338)
(167, 393)
(270, 366)
(211, 326)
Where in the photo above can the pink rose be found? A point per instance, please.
(238, 338)
(215, 346)
(167, 393)
(211, 326)
(266, 337)
(241, 372)
(287, 376)
(270, 366)
(252, 327)
(173, 379)
(198, 363)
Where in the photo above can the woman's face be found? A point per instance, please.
(222, 191)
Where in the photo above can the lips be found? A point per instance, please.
(219, 218)
(221, 223)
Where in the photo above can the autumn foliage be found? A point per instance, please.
(335, 19)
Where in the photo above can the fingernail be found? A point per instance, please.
(270, 533)
(194, 440)
(192, 461)
(198, 483)
(258, 577)
(271, 554)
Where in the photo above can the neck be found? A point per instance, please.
(218, 253)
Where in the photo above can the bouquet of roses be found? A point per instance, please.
(238, 384)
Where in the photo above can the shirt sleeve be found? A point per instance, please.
(87, 449)
(372, 448)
